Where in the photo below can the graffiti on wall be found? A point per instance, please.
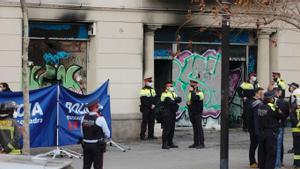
(235, 101)
(206, 70)
(61, 62)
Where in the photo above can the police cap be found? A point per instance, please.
(269, 94)
(93, 103)
(148, 79)
(294, 85)
(275, 73)
(193, 82)
(252, 74)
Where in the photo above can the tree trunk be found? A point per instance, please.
(25, 82)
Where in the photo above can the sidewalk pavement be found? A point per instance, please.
(149, 155)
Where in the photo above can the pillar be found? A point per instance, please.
(274, 56)
(149, 50)
(263, 58)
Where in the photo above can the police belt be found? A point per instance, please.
(94, 141)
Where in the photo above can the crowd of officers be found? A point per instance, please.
(265, 115)
(164, 109)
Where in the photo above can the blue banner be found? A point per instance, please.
(47, 114)
(43, 114)
(71, 111)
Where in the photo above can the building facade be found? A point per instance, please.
(83, 43)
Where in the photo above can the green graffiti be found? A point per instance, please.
(206, 70)
(41, 77)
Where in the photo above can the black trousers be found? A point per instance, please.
(168, 128)
(196, 121)
(92, 154)
(148, 120)
(245, 115)
(296, 142)
(253, 146)
(267, 151)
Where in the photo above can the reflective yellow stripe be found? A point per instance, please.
(296, 130)
(298, 124)
(281, 83)
(147, 92)
(296, 157)
(247, 86)
(272, 106)
(10, 146)
(200, 94)
(298, 114)
(15, 152)
(170, 95)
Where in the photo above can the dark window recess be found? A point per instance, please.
(162, 74)
(58, 30)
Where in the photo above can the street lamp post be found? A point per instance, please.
(225, 86)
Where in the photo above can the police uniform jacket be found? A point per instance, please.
(269, 116)
(253, 115)
(10, 136)
(284, 108)
(94, 128)
(170, 102)
(147, 98)
(281, 84)
(295, 120)
(246, 90)
(195, 103)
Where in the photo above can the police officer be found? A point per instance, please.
(147, 97)
(253, 126)
(195, 107)
(294, 92)
(292, 87)
(9, 131)
(246, 92)
(295, 119)
(269, 116)
(170, 102)
(283, 106)
(278, 82)
(95, 130)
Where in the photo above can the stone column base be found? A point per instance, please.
(126, 126)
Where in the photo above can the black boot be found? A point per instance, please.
(165, 145)
(172, 145)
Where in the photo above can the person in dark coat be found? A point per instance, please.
(283, 106)
(269, 115)
(195, 108)
(295, 119)
(170, 103)
(246, 92)
(147, 98)
(95, 130)
(253, 126)
(278, 82)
